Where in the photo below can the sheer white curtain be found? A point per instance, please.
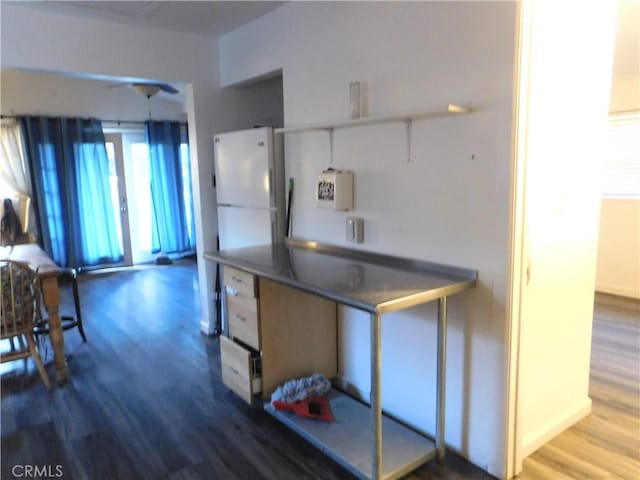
(15, 183)
(14, 174)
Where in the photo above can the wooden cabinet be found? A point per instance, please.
(276, 333)
(240, 369)
(242, 317)
(239, 283)
(241, 290)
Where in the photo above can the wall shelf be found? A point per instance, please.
(451, 109)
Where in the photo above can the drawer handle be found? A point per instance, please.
(241, 318)
(232, 291)
(234, 371)
(236, 279)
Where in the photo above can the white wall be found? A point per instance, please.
(625, 93)
(258, 103)
(37, 93)
(441, 206)
(619, 247)
(619, 240)
(564, 103)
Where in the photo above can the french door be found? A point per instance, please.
(131, 193)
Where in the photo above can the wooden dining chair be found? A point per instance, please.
(19, 312)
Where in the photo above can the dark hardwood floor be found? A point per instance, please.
(145, 399)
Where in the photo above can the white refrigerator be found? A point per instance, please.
(249, 179)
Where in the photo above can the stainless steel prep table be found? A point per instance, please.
(377, 284)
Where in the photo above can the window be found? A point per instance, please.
(51, 198)
(621, 170)
(188, 191)
(113, 184)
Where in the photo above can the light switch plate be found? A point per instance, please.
(355, 230)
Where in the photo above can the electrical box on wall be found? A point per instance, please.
(334, 189)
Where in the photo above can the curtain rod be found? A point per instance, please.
(139, 122)
(118, 122)
(123, 122)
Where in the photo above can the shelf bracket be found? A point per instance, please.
(409, 123)
(330, 130)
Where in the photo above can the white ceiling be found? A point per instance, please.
(215, 18)
(210, 18)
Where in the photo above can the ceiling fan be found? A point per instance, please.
(148, 89)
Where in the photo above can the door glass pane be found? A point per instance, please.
(115, 194)
(142, 194)
(187, 192)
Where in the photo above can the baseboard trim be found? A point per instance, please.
(552, 428)
(206, 327)
(619, 291)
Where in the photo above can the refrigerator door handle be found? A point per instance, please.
(274, 228)
(271, 190)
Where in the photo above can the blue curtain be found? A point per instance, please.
(72, 195)
(170, 219)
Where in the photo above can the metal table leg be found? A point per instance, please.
(376, 398)
(442, 364)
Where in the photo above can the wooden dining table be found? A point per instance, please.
(48, 273)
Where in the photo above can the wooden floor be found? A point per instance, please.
(606, 444)
(145, 400)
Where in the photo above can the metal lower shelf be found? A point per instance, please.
(348, 438)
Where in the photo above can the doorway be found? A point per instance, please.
(132, 201)
(130, 181)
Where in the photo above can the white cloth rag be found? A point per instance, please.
(300, 388)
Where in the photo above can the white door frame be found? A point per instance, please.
(116, 139)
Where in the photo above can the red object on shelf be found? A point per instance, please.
(313, 407)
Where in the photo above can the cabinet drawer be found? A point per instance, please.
(240, 369)
(238, 281)
(242, 315)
